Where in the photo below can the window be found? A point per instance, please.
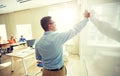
(3, 31)
(25, 30)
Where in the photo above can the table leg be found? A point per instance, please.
(12, 64)
(24, 67)
(0, 57)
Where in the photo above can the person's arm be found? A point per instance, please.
(64, 36)
(106, 28)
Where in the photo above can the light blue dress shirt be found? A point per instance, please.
(22, 39)
(49, 48)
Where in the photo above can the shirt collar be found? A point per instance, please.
(47, 32)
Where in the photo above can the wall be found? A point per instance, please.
(100, 55)
(33, 16)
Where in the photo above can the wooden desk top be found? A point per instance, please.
(18, 43)
(3, 43)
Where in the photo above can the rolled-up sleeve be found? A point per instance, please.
(64, 36)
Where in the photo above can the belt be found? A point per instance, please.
(55, 69)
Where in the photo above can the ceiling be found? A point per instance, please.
(7, 6)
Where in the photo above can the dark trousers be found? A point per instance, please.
(10, 49)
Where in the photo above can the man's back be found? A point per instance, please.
(50, 49)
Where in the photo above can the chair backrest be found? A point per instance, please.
(30, 43)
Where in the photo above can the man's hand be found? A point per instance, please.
(86, 14)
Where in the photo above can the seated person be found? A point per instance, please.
(22, 39)
(12, 40)
(39, 63)
(4, 45)
(39, 60)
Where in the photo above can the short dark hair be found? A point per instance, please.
(45, 22)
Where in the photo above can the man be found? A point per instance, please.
(22, 39)
(49, 47)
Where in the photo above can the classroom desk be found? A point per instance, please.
(18, 43)
(7, 45)
(21, 54)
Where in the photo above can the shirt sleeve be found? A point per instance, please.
(64, 36)
(106, 28)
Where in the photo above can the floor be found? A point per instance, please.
(72, 64)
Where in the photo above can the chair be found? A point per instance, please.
(39, 64)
